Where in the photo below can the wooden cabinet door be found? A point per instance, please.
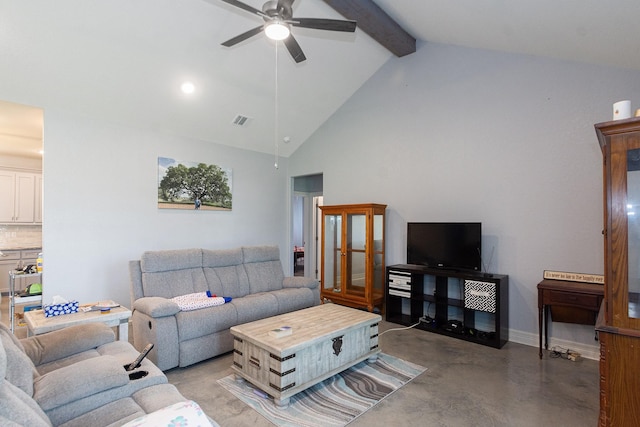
(25, 198)
(7, 193)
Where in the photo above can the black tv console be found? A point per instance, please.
(465, 305)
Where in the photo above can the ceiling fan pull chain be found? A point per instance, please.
(276, 111)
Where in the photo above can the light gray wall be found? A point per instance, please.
(457, 134)
(100, 204)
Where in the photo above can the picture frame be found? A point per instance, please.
(198, 186)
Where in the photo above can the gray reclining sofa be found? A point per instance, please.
(251, 276)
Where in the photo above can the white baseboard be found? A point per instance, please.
(587, 351)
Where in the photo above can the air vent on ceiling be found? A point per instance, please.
(241, 120)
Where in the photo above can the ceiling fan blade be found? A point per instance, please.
(243, 36)
(294, 49)
(325, 24)
(245, 6)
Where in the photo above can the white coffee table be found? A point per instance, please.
(38, 324)
(325, 340)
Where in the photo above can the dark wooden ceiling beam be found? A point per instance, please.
(377, 24)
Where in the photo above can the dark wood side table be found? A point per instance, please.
(567, 302)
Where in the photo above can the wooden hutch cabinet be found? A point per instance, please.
(352, 266)
(619, 318)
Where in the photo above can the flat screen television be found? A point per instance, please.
(447, 245)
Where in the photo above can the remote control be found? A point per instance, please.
(133, 365)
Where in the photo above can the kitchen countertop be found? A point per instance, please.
(20, 248)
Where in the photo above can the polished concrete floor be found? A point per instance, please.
(465, 384)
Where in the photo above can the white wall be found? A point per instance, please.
(100, 204)
(457, 134)
(445, 134)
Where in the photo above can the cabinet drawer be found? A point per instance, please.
(30, 256)
(572, 299)
(10, 256)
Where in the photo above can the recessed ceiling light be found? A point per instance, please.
(187, 88)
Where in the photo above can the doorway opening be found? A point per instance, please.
(305, 227)
(21, 184)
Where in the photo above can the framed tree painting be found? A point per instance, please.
(193, 185)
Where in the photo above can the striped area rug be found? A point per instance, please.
(335, 401)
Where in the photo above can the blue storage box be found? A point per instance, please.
(60, 309)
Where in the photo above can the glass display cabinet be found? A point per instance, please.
(352, 263)
(618, 322)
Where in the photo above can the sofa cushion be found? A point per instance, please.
(169, 284)
(293, 299)
(264, 276)
(64, 385)
(19, 409)
(19, 369)
(263, 267)
(255, 307)
(66, 361)
(65, 342)
(300, 282)
(205, 321)
(120, 349)
(214, 282)
(228, 281)
(224, 272)
(260, 254)
(221, 257)
(156, 397)
(113, 414)
(178, 259)
(118, 412)
(168, 274)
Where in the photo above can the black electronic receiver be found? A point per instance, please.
(133, 365)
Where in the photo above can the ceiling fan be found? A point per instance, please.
(278, 18)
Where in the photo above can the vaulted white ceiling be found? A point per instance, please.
(123, 61)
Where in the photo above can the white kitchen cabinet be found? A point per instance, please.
(37, 209)
(18, 191)
(8, 192)
(9, 260)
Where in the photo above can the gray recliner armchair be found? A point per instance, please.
(76, 377)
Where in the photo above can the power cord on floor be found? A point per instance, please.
(399, 329)
(559, 352)
(403, 329)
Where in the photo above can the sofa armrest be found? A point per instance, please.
(300, 282)
(156, 306)
(66, 342)
(79, 380)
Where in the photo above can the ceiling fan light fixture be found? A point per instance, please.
(187, 88)
(277, 30)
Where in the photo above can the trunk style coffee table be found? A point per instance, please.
(324, 340)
